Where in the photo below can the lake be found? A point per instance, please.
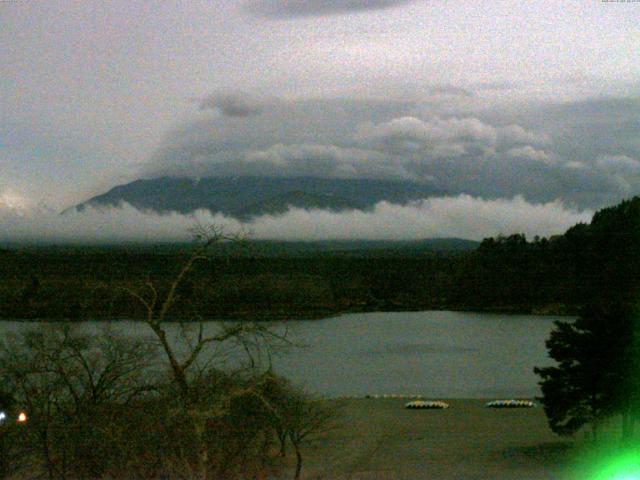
(437, 354)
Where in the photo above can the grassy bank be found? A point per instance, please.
(380, 439)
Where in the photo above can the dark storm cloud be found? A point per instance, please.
(232, 104)
(581, 130)
(307, 8)
(593, 147)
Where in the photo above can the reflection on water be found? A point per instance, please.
(436, 354)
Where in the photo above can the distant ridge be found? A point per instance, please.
(358, 248)
(247, 197)
(268, 248)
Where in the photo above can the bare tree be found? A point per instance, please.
(64, 380)
(296, 417)
(306, 420)
(191, 366)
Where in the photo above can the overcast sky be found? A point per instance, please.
(494, 100)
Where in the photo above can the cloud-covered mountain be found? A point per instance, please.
(583, 153)
(376, 169)
(249, 196)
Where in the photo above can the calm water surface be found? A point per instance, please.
(434, 353)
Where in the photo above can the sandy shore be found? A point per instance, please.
(380, 439)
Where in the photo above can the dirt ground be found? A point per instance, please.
(380, 439)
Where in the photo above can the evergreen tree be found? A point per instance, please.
(595, 375)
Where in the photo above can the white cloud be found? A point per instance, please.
(529, 153)
(289, 160)
(10, 200)
(618, 163)
(621, 170)
(414, 135)
(101, 225)
(515, 134)
(460, 216)
(574, 165)
(320, 160)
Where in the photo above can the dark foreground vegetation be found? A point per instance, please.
(111, 407)
(201, 404)
(258, 280)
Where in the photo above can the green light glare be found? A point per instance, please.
(624, 465)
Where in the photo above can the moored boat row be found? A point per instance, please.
(510, 404)
(427, 404)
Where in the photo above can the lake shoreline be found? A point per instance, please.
(321, 314)
(380, 439)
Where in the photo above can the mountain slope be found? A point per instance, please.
(245, 197)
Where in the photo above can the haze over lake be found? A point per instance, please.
(434, 353)
(437, 354)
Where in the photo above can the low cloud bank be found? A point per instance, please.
(461, 216)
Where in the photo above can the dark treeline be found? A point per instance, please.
(597, 355)
(504, 274)
(563, 273)
(77, 285)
